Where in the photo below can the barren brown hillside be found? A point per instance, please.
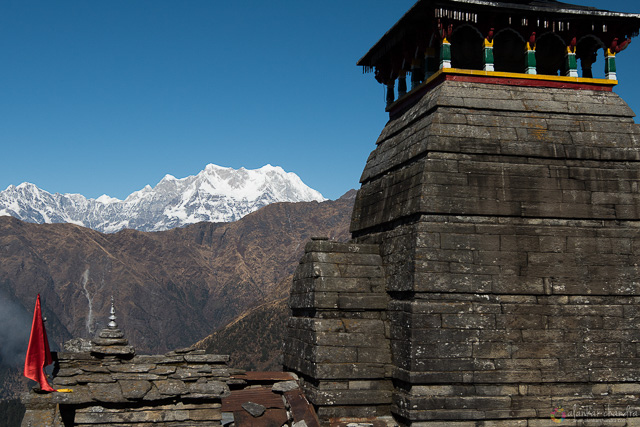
(171, 288)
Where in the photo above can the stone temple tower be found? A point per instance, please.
(493, 278)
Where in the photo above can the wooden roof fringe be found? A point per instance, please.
(423, 12)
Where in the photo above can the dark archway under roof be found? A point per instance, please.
(424, 24)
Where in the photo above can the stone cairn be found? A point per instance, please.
(113, 386)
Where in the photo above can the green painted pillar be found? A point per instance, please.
(488, 55)
(530, 60)
(445, 54)
(610, 65)
(571, 62)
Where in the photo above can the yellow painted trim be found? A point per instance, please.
(571, 49)
(502, 74)
(529, 47)
(445, 41)
(609, 53)
(488, 43)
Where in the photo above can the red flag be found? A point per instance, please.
(38, 353)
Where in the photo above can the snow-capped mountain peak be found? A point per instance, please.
(217, 194)
(104, 199)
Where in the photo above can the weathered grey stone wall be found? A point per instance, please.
(180, 388)
(492, 320)
(338, 340)
(508, 220)
(469, 148)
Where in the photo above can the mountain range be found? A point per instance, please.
(216, 194)
(172, 288)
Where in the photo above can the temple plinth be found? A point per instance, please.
(493, 274)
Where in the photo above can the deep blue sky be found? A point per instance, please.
(103, 97)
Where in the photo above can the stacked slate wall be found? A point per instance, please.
(508, 225)
(113, 387)
(337, 337)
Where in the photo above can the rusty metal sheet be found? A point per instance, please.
(270, 418)
(301, 409)
(262, 396)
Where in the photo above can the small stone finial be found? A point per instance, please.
(112, 318)
(110, 340)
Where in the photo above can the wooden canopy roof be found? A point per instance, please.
(422, 25)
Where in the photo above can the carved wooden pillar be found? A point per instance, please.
(530, 56)
(416, 73)
(391, 92)
(402, 84)
(445, 54)
(610, 65)
(571, 62)
(488, 55)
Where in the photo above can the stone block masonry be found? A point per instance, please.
(183, 388)
(507, 224)
(337, 337)
(496, 319)
(113, 386)
(448, 155)
(507, 220)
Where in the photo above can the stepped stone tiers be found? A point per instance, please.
(496, 234)
(337, 339)
(113, 386)
(510, 241)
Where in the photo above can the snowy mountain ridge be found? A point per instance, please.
(216, 194)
